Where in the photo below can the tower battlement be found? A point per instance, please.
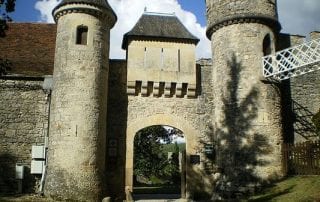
(226, 12)
(95, 8)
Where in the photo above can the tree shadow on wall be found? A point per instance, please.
(239, 146)
(198, 183)
(303, 125)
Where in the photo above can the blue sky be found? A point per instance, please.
(296, 16)
(197, 7)
(26, 12)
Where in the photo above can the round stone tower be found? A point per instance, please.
(247, 110)
(77, 135)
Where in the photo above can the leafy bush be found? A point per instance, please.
(5, 66)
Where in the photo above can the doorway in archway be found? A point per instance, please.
(159, 162)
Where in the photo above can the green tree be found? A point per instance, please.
(6, 7)
(316, 121)
(171, 171)
(150, 157)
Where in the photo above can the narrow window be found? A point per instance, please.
(82, 35)
(267, 45)
(162, 58)
(179, 60)
(267, 51)
(145, 58)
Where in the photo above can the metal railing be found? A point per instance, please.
(293, 61)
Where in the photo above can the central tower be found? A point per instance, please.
(247, 107)
(77, 136)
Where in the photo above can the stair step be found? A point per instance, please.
(158, 198)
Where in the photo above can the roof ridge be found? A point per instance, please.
(160, 14)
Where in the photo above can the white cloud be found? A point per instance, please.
(128, 17)
(296, 17)
(45, 7)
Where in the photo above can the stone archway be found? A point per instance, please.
(191, 135)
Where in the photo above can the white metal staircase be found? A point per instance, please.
(293, 61)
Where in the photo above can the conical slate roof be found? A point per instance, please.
(156, 25)
(99, 3)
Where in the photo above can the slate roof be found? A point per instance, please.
(165, 26)
(30, 48)
(99, 3)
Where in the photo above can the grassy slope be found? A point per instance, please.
(293, 189)
(298, 188)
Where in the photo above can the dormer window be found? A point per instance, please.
(82, 35)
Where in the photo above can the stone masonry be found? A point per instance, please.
(305, 102)
(98, 105)
(23, 123)
(247, 119)
(301, 97)
(128, 114)
(76, 154)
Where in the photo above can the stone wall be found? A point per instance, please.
(305, 98)
(190, 115)
(301, 97)
(161, 61)
(24, 118)
(126, 112)
(23, 123)
(116, 129)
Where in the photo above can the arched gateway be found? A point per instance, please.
(191, 135)
(162, 87)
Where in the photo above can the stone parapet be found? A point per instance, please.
(106, 13)
(161, 89)
(227, 12)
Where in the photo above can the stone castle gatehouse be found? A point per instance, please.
(69, 114)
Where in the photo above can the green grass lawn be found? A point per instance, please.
(298, 188)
